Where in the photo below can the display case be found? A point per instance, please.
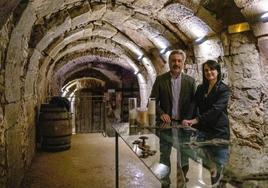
(177, 156)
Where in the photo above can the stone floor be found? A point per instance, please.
(89, 163)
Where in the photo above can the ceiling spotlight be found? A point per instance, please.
(163, 50)
(140, 57)
(264, 17)
(136, 72)
(200, 40)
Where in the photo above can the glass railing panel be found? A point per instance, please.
(176, 155)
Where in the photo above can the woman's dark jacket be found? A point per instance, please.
(212, 110)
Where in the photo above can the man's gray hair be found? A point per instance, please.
(179, 52)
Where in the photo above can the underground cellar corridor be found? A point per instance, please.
(100, 53)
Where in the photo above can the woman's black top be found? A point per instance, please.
(212, 110)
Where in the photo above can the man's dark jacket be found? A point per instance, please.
(162, 93)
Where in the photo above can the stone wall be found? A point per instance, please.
(17, 117)
(6, 8)
(4, 40)
(263, 46)
(246, 107)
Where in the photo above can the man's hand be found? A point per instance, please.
(165, 118)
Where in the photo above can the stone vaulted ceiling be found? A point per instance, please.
(128, 33)
(134, 34)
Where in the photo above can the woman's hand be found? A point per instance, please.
(186, 122)
(190, 122)
(194, 121)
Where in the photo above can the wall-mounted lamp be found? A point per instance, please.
(264, 17)
(140, 57)
(200, 40)
(162, 51)
(136, 72)
(165, 50)
(238, 28)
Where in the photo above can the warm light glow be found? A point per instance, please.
(205, 49)
(134, 67)
(141, 79)
(160, 42)
(65, 89)
(238, 28)
(72, 94)
(149, 66)
(134, 48)
(68, 85)
(199, 32)
(143, 90)
(64, 93)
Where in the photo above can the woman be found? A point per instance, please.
(211, 100)
(211, 120)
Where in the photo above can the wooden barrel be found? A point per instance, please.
(55, 127)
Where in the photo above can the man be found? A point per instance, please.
(174, 94)
(174, 91)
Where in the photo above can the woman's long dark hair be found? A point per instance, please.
(214, 66)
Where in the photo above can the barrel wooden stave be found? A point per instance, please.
(55, 128)
(54, 141)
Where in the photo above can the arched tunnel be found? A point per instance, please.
(54, 48)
